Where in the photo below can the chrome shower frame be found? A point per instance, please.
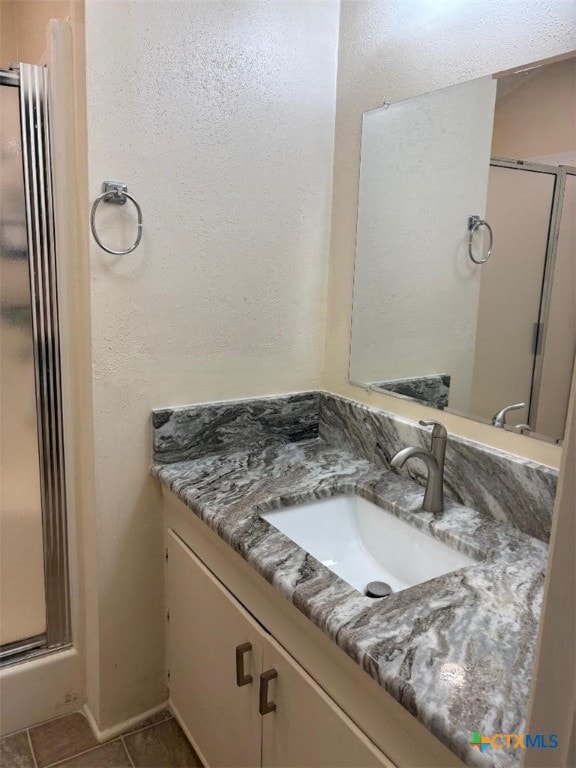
(559, 172)
(33, 85)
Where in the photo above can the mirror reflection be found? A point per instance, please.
(465, 280)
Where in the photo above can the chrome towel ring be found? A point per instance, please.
(474, 224)
(115, 192)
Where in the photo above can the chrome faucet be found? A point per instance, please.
(499, 419)
(434, 460)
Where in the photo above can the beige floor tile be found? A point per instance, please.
(15, 751)
(59, 739)
(159, 717)
(111, 755)
(161, 746)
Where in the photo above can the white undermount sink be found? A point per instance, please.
(362, 542)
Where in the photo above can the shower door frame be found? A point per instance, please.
(560, 172)
(33, 84)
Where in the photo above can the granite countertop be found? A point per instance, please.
(456, 651)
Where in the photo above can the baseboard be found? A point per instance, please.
(116, 730)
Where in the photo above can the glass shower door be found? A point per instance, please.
(22, 595)
(519, 207)
(559, 322)
(34, 582)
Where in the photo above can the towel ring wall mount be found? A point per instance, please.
(474, 225)
(115, 192)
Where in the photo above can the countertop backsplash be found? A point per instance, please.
(192, 431)
(512, 490)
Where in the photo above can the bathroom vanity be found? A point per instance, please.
(228, 633)
(256, 621)
(272, 711)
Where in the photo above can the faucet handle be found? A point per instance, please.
(438, 429)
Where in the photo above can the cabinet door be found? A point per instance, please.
(307, 729)
(205, 626)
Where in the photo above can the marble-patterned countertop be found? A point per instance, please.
(456, 651)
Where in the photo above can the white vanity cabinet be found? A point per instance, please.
(242, 698)
(308, 728)
(204, 628)
(329, 712)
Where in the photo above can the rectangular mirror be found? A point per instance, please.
(465, 278)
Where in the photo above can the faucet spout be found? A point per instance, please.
(434, 494)
(499, 419)
(400, 458)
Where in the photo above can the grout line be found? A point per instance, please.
(120, 738)
(84, 752)
(127, 752)
(52, 719)
(110, 741)
(13, 733)
(146, 727)
(31, 748)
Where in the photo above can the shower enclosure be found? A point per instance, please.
(34, 597)
(526, 332)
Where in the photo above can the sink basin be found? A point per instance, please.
(362, 542)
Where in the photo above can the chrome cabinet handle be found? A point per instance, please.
(474, 224)
(265, 705)
(241, 677)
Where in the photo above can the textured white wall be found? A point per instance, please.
(415, 289)
(391, 50)
(220, 117)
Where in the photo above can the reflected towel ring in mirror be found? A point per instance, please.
(417, 237)
(474, 224)
(115, 192)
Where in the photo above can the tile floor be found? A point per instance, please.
(68, 742)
